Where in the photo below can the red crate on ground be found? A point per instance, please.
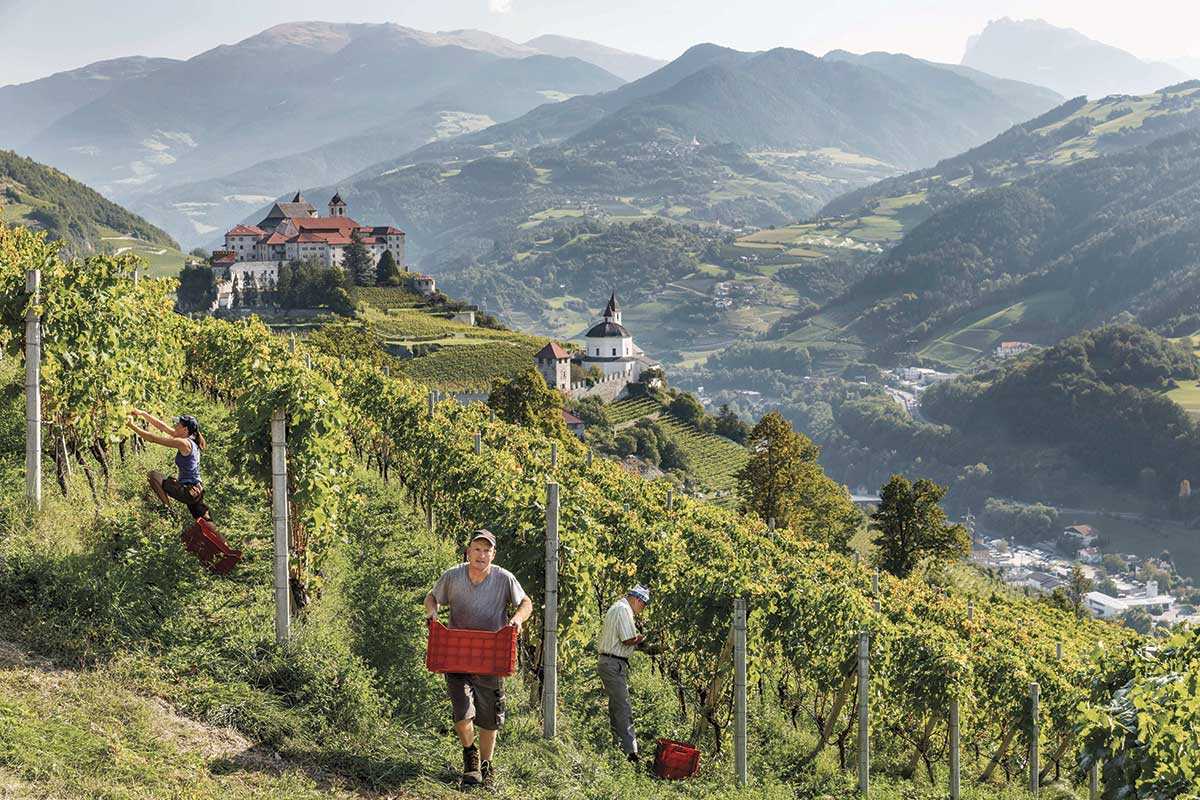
(208, 545)
(674, 760)
(471, 652)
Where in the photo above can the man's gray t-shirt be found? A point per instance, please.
(478, 608)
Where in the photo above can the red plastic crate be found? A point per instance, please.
(471, 652)
(674, 760)
(208, 545)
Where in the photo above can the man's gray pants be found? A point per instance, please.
(614, 674)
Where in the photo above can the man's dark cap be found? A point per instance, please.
(484, 533)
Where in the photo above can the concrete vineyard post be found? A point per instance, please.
(432, 402)
(292, 343)
(136, 276)
(739, 689)
(279, 503)
(670, 499)
(553, 455)
(387, 372)
(970, 609)
(864, 714)
(590, 454)
(1094, 782)
(955, 752)
(857, 557)
(875, 583)
(307, 361)
(492, 416)
(1058, 650)
(478, 443)
(550, 642)
(33, 392)
(875, 605)
(1033, 738)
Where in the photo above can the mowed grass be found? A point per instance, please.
(1187, 397)
(977, 334)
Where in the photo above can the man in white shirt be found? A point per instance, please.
(618, 639)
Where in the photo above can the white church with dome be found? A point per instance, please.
(609, 347)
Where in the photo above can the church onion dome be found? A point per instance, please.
(608, 329)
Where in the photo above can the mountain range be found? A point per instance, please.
(716, 135)
(361, 90)
(1064, 60)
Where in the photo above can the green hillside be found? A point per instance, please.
(346, 704)
(41, 197)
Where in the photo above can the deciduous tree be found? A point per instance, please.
(911, 526)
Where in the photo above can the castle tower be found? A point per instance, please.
(554, 363)
(337, 206)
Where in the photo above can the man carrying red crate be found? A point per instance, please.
(618, 638)
(479, 595)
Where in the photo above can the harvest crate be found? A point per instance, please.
(207, 544)
(471, 652)
(674, 760)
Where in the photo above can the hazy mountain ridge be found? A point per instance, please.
(1064, 60)
(28, 108)
(623, 64)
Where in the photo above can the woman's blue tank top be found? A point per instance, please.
(189, 466)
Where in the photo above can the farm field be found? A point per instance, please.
(975, 335)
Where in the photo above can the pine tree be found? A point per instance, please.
(911, 526)
(387, 273)
(359, 263)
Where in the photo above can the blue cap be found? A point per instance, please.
(641, 592)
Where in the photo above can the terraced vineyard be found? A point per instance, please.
(471, 365)
(715, 460)
(634, 408)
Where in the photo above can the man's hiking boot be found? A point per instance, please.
(471, 775)
(489, 776)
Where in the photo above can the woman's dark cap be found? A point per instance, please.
(191, 423)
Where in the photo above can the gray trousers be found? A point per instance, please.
(614, 674)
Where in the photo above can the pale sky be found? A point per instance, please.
(40, 37)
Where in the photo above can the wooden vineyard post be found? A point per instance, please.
(279, 503)
(955, 752)
(864, 714)
(739, 689)
(550, 634)
(33, 392)
(1033, 738)
(478, 443)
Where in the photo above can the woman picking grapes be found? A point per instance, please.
(184, 436)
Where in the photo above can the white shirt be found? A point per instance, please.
(618, 626)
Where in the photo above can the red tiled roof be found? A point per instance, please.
(228, 258)
(552, 350)
(326, 224)
(570, 418)
(275, 238)
(246, 230)
(385, 230)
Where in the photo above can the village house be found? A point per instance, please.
(1009, 349)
